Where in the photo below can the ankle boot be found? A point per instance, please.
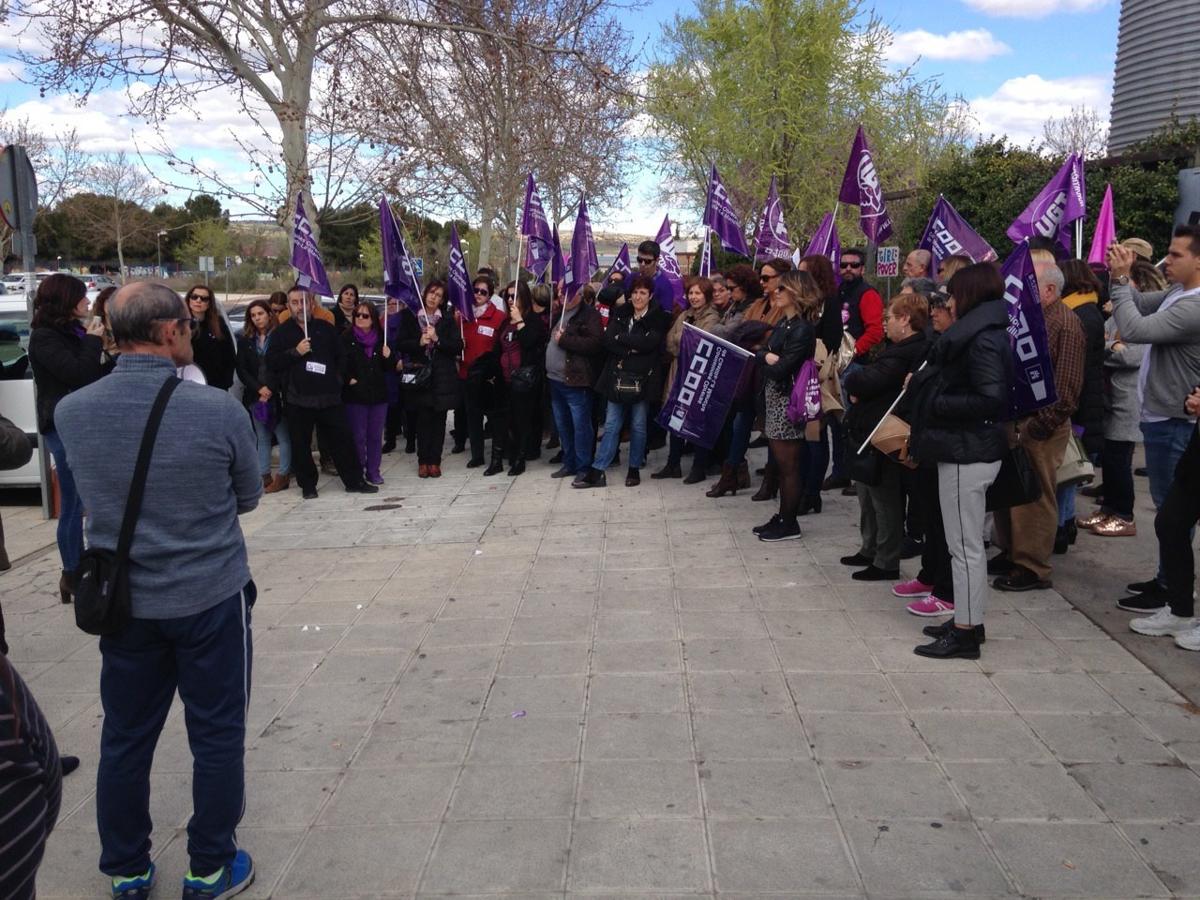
(770, 483)
(743, 476)
(696, 475)
(278, 483)
(496, 466)
(726, 484)
(517, 467)
(809, 503)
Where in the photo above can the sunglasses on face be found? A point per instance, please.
(645, 260)
(511, 295)
(763, 279)
(851, 265)
(362, 315)
(481, 292)
(204, 298)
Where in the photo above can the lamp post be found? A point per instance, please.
(158, 246)
(59, 269)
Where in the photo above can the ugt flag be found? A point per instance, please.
(584, 261)
(1106, 231)
(826, 243)
(720, 217)
(535, 226)
(306, 257)
(772, 238)
(860, 186)
(1033, 370)
(668, 262)
(458, 283)
(706, 381)
(1057, 205)
(621, 264)
(947, 234)
(400, 280)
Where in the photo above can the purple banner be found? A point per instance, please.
(584, 261)
(558, 263)
(536, 228)
(772, 238)
(1057, 205)
(400, 280)
(306, 257)
(621, 264)
(1105, 233)
(826, 243)
(458, 282)
(1033, 370)
(668, 262)
(706, 382)
(720, 217)
(860, 186)
(947, 234)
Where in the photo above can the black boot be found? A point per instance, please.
(696, 475)
(497, 464)
(668, 471)
(389, 444)
(770, 483)
(726, 484)
(517, 467)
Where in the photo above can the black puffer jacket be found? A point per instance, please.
(443, 390)
(956, 404)
(63, 361)
(1089, 414)
(794, 340)
(215, 354)
(877, 384)
(636, 345)
(368, 375)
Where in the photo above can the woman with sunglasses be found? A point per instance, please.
(213, 349)
(260, 394)
(523, 366)
(368, 360)
(479, 372)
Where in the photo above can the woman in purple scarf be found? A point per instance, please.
(368, 359)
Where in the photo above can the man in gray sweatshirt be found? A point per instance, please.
(190, 589)
(1169, 322)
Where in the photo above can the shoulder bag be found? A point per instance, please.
(626, 386)
(102, 602)
(1016, 483)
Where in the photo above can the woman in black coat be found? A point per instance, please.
(65, 356)
(959, 403)
(260, 386)
(523, 366)
(872, 390)
(434, 341)
(213, 349)
(633, 343)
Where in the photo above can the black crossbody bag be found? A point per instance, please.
(102, 602)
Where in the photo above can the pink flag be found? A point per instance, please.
(1105, 233)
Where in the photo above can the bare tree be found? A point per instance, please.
(1080, 131)
(58, 163)
(123, 191)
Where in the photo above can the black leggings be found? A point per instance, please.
(786, 456)
(1116, 460)
(935, 555)
(1173, 525)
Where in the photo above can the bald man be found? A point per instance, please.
(916, 264)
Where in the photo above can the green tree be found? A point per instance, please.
(209, 237)
(778, 87)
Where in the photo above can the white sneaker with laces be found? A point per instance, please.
(1163, 622)
(1189, 640)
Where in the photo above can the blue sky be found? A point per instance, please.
(1016, 62)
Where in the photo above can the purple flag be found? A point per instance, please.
(668, 262)
(1058, 204)
(583, 252)
(1033, 370)
(772, 239)
(947, 234)
(399, 277)
(706, 382)
(621, 264)
(535, 226)
(458, 282)
(826, 243)
(306, 257)
(558, 263)
(860, 186)
(720, 217)
(1106, 231)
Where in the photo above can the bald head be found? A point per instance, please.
(147, 317)
(916, 264)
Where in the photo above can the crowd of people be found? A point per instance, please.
(905, 404)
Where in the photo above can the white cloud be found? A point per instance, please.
(974, 45)
(10, 71)
(1021, 105)
(1034, 9)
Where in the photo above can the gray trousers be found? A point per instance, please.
(962, 490)
(881, 518)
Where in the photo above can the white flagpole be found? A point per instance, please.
(895, 403)
(706, 255)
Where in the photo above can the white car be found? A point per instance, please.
(14, 282)
(16, 394)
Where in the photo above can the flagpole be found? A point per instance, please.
(706, 254)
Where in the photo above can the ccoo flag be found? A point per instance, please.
(720, 217)
(1033, 369)
(306, 257)
(399, 276)
(860, 186)
(706, 382)
(668, 262)
(458, 283)
(536, 227)
(1106, 231)
(1058, 204)
(584, 261)
(772, 238)
(947, 234)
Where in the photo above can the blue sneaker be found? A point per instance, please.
(135, 888)
(228, 881)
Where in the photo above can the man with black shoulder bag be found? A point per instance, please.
(164, 469)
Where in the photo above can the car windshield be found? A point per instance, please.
(14, 335)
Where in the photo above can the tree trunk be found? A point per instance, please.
(295, 91)
(485, 240)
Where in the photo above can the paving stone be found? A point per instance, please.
(1142, 791)
(924, 858)
(1170, 851)
(516, 856)
(979, 736)
(1052, 692)
(631, 657)
(637, 736)
(376, 858)
(1116, 738)
(780, 856)
(546, 790)
(643, 856)
(891, 789)
(733, 735)
(525, 739)
(1021, 790)
(639, 789)
(636, 694)
(864, 736)
(842, 692)
(763, 789)
(389, 796)
(963, 692)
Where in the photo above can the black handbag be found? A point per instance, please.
(867, 467)
(102, 602)
(525, 379)
(626, 386)
(1016, 483)
(415, 378)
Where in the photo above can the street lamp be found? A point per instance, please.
(158, 246)
(59, 269)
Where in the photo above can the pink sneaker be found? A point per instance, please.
(914, 588)
(931, 606)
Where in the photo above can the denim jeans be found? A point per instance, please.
(739, 438)
(1065, 493)
(572, 407)
(614, 419)
(263, 434)
(70, 513)
(1165, 442)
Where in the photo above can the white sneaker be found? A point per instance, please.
(1163, 622)
(1189, 640)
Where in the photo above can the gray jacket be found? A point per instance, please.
(1121, 413)
(188, 553)
(1174, 338)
